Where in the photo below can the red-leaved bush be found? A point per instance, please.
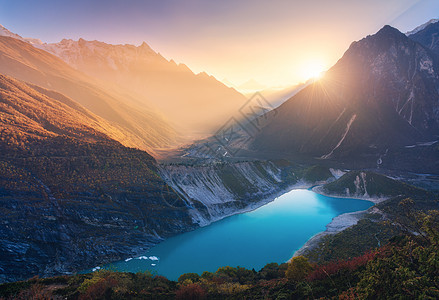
(322, 271)
(190, 292)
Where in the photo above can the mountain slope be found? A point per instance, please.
(71, 197)
(370, 184)
(382, 94)
(195, 103)
(142, 127)
(32, 112)
(428, 36)
(421, 27)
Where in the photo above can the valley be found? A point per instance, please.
(116, 160)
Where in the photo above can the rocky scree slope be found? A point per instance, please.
(221, 189)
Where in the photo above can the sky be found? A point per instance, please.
(277, 43)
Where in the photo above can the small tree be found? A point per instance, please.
(298, 268)
(189, 278)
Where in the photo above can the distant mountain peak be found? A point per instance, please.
(428, 36)
(34, 41)
(5, 32)
(171, 88)
(145, 45)
(184, 68)
(203, 74)
(63, 41)
(421, 27)
(388, 31)
(251, 85)
(227, 82)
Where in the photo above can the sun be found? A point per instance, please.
(313, 70)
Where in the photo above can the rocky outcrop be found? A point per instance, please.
(370, 186)
(219, 190)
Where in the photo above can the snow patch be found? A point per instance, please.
(421, 27)
(348, 127)
(363, 177)
(426, 65)
(422, 144)
(336, 173)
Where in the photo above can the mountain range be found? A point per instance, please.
(81, 122)
(155, 102)
(196, 104)
(142, 126)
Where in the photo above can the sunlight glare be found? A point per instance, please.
(313, 70)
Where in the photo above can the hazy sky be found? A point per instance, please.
(275, 42)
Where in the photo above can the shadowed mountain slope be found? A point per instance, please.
(382, 94)
(428, 36)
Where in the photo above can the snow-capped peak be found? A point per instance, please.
(421, 27)
(33, 41)
(5, 32)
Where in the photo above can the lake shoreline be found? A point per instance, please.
(338, 223)
(293, 208)
(319, 190)
(301, 185)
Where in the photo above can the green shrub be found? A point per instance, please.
(298, 269)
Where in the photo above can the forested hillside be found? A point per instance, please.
(69, 195)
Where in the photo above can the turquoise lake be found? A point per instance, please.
(271, 233)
